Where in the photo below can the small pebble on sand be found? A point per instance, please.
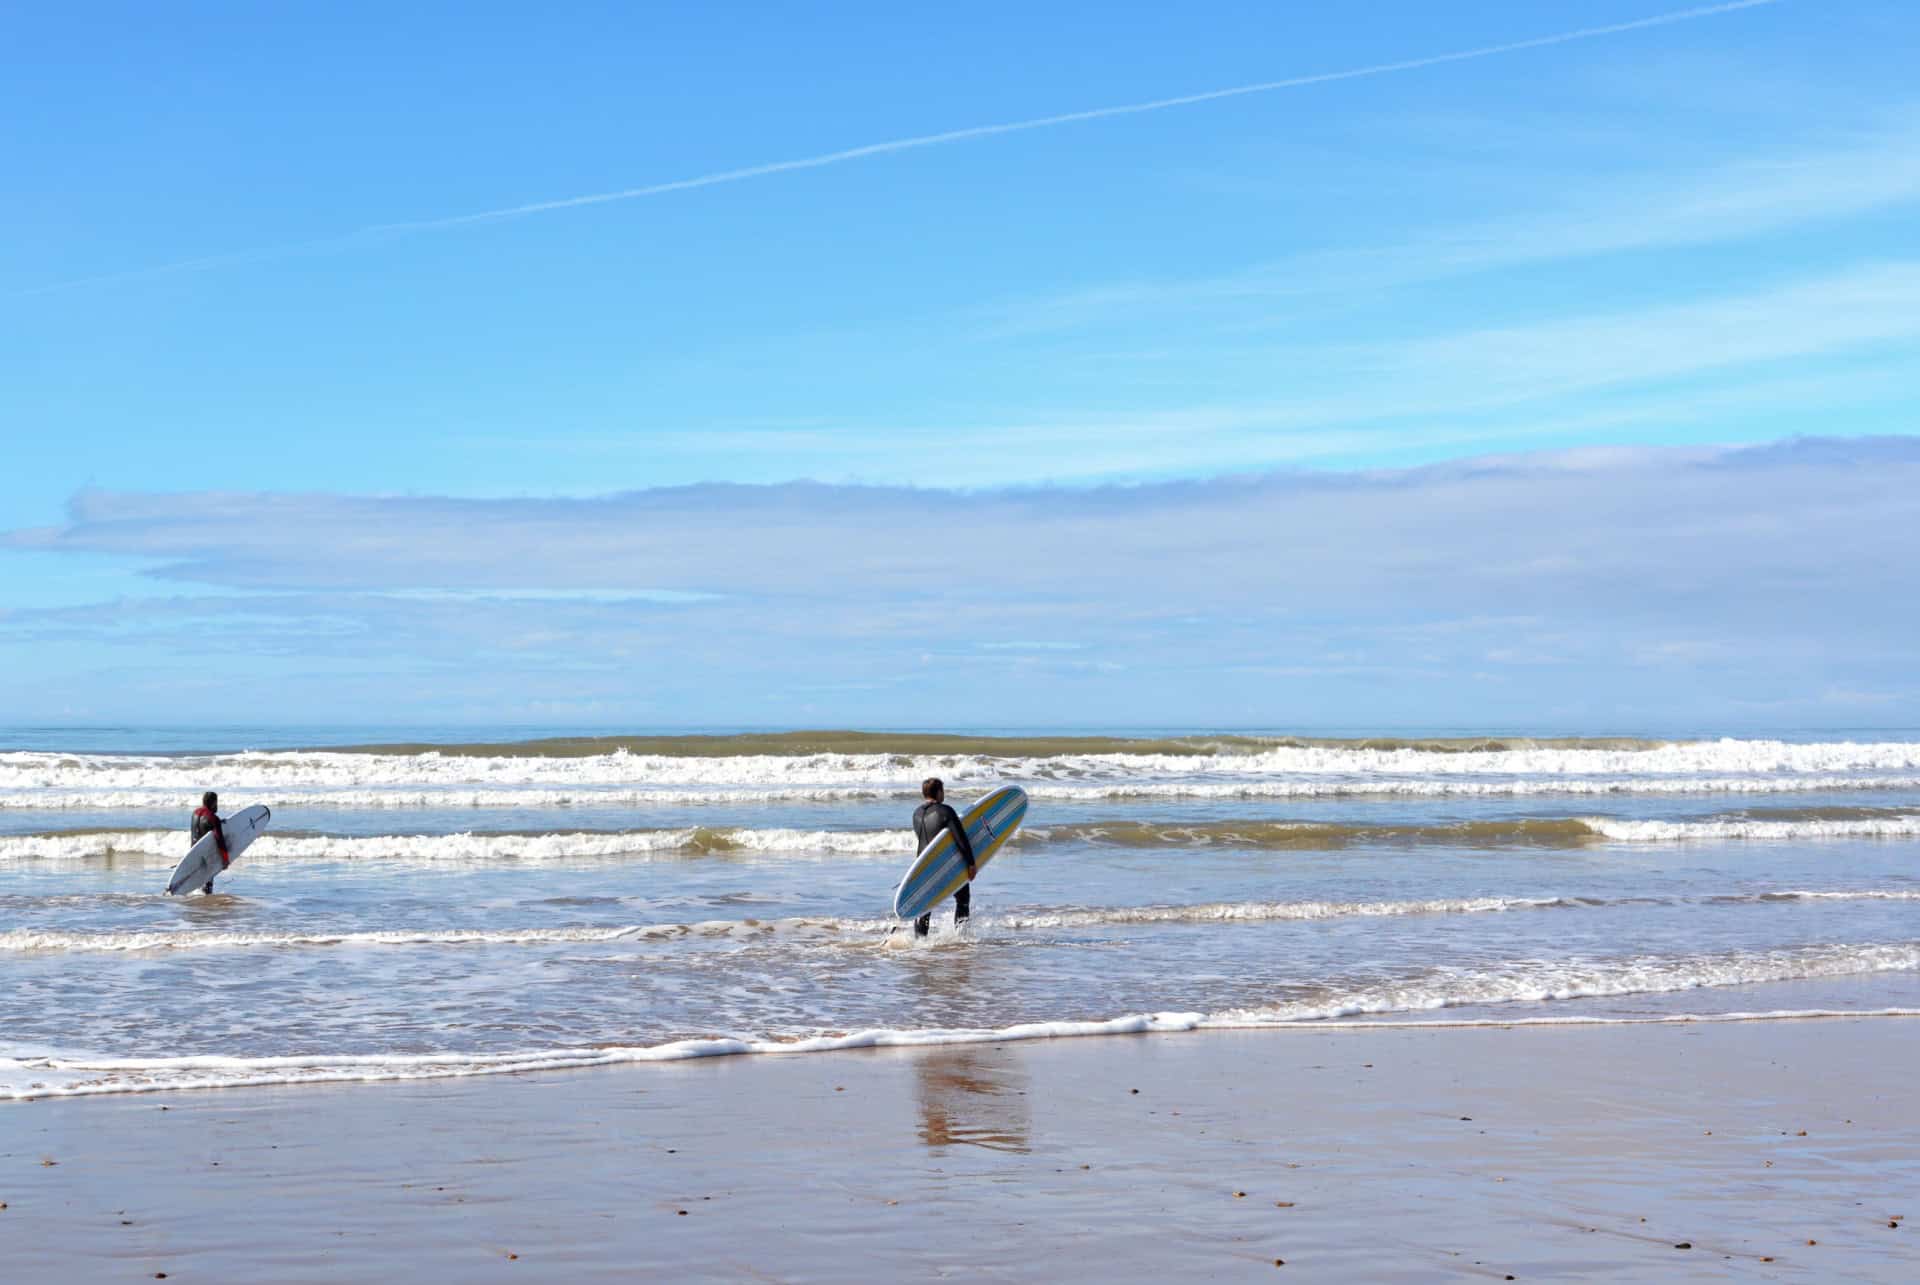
(1239, 1195)
(1683, 1244)
(1278, 1204)
(681, 1212)
(1279, 1262)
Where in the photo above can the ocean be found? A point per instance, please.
(435, 905)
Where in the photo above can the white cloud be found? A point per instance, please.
(1695, 576)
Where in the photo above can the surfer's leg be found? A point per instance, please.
(923, 925)
(963, 903)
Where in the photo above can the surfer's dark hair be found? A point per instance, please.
(208, 799)
(932, 788)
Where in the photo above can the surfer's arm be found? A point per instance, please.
(220, 840)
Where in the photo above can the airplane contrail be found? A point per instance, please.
(917, 141)
(1064, 118)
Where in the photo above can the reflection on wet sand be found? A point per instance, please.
(971, 1096)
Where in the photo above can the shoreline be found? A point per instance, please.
(1366, 1151)
(379, 1069)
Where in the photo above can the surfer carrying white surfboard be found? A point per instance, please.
(929, 819)
(206, 820)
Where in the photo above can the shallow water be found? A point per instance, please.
(432, 913)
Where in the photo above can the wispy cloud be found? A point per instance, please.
(1713, 360)
(916, 142)
(1873, 168)
(1862, 306)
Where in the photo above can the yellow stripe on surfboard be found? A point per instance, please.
(941, 849)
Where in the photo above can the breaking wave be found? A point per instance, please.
(285, 773)
(166, 846)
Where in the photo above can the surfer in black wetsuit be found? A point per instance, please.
(929, 819)
(206, 820)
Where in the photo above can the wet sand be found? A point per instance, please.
(1768, 1150)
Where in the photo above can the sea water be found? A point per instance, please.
(438, 907)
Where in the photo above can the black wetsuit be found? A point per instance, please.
(929, 819)
(206, 821)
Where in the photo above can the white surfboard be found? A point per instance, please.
(202, 865)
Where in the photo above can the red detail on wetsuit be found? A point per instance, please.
(219, 833)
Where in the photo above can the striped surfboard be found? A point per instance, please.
(938, 871)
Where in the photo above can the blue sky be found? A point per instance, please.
(289, 429)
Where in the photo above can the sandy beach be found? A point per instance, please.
(1751, 1150)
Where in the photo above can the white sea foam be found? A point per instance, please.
(826, 927)
(1503, 1023)
(21, 940)
(455, 797)
(290, 774)
(1458, 788)
(165, 847)
(1889, 827)
(56, 1075)
(1864, 894)
(186, 939)
(40, 1077)
(1539, 981)
(1269, 911)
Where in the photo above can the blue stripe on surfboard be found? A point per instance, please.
(917, 895)
(936, 874)
(1005, 814)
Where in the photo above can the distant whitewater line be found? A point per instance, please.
(400, 797)
(692, 841)
(81, 1075)
(284, 773)
(820, 928)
